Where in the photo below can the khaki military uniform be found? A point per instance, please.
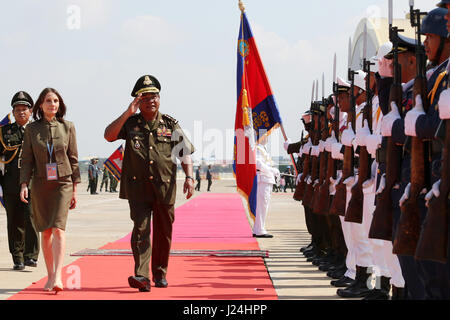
(23, 239)
(148, 181)
(50, 200)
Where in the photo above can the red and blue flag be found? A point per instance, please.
(114, 163)
(256, 113)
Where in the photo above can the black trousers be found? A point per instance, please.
(209, 184)
(163, 217)
(93, 185)
(23, 239)
(197, 187)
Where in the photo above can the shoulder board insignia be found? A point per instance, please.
(169, 118)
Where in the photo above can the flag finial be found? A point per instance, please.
(241, 6)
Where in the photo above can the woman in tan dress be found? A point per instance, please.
(49, 164)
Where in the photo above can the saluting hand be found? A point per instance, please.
(134, 105)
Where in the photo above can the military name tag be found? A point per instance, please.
(52, 171)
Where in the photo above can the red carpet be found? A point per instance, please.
(210, 221)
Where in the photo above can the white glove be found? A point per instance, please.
(434, 192)
(411, 117)
(307, 146)
(444, 104)
(286, 144)
(334, 183)
(373, 142)
(315, 151)
(382, 184)
(316, 182)
(309, 180)
(329, 142)
(332, 112)
(351, 181)
(362, 134)
(405, 195)
(348, 136)
(276, 172)
(388, 120)
(336, 151)
(368, 183)
(321, 145)
(299, 177)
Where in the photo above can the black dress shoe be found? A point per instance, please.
(138, 282)
(161, 283)
(264, 236)
(342, 282)
(338, 273)
(19, 266)
(377, 294)
(308, 247)
(31, 263)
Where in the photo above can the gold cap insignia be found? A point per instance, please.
(147, 81)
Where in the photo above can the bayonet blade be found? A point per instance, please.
(312, 93)
(334, 69)
(323, 85)
(349, 52)
(411, 3)
(365, 42)
(317, 90)
(391, 12)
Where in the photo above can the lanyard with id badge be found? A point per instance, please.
(52, 168)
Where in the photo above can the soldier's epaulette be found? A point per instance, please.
(169, 118)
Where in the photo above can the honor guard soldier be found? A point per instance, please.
(153, 142)
(423, 125)
(22, 236)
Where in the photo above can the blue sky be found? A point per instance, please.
(190, 46)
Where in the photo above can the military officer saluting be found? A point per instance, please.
(22, 236)
(153, 142)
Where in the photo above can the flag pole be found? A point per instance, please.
(242, 8)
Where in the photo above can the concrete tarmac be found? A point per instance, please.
(103, 218)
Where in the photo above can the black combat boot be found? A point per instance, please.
(359, 288)
(382, 293)
(399, 293)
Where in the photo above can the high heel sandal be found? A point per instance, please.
(57, 288)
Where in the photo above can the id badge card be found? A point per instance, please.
(52, 172)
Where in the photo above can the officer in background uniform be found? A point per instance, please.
(93, 175)
(113, 183)
(153, 143)
(266, 174)
(105, 179)
(198, 178)
(22, 236)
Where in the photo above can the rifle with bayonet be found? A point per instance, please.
(433, 241)
(301, 185)
(309, 192)
(382, 223)
(340, 198)
(324, 191)
(408, 230)
(354, 211)
(300, 165)
(323, 157)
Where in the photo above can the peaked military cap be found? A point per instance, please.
(22, 98)
(404, 44)
(443, 3)
(146, 84)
